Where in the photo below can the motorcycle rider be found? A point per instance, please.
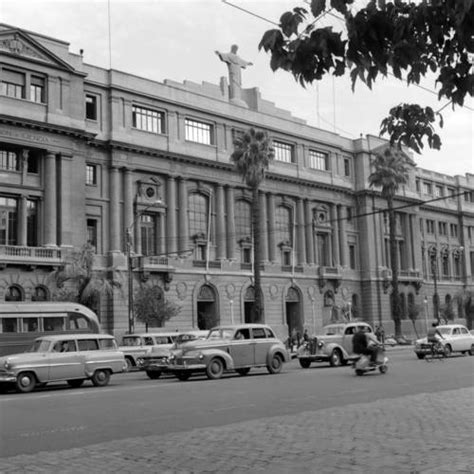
(363, 342)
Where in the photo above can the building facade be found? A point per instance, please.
(140, 170)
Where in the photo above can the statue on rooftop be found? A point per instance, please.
(235, 64)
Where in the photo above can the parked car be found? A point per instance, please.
(334, 345)
(236, 348)
(155, 362)
(73, 358)
(135, 346)
(456, 338)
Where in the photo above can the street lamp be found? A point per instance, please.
(433, 254)
(425, 301)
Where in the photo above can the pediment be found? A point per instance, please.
(17, 43)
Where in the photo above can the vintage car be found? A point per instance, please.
(155, 362)
(236, 348)
(334, 345)
(135, 346)
(73, 358)
(455, 338)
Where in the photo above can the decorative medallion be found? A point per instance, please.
(273, 290)
(181, 290)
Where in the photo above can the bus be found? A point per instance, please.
(21, 323)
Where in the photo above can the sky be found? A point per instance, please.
(177, 40)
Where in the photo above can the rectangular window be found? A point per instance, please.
(33, 163)
(442, 228)
(37, 89)
(350, 214)
(91, 107)
(91, 175)
(318, 160)
(454, 230)
(439, 191)
(283, 151)
(451, 193)
(427, 188)
(31, 223)
(430, 226)
(246, 255)
(147, 120)
(199, 132)
(417, 184)
(8, 221)
(92, 233)
(286, 258)
(347, 167)
(12, 84)
(9, 160)
(322, 241)
(352, 256)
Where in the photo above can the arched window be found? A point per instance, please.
(14, 293)
(198, 215)
(41, 294)
(243, 221)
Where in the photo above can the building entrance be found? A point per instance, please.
(207, 308)
(294, 318)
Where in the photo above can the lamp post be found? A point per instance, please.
(231, 302)
(433, 254)
(425, 301)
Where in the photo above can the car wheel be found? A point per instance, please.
(101, 378)
(359, 372)
(76, 383)
(130, 364)
(447, 350)
(471, 350)
(215, 369)
(336, 358)
(275, 365)
(420, 356)
(26, 382)
(383, 369)
(183, 376)
(305, 363)
(153, 374)
(244, 371)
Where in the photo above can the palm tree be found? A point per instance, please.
(391, 171)
(84, 284)
(252, 155)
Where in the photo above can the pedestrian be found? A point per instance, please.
(298, 339)
(305, 335)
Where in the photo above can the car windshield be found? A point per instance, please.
(444, 331)
(333, 330)
(39, 346)
(221, 334)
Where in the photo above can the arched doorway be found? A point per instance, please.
(207, 308)
(249, 300)
(294, 318)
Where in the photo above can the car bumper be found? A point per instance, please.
(186, 367)
(7, 378)
(423, 349)
(314, 357)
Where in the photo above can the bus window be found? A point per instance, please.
(78, 321)
(53, 324)
(9, 325)
(30, 324)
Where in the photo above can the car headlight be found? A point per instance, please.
(320, 344)
(7, 365)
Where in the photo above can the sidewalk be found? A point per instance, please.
(417, 434)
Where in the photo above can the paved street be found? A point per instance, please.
(429, 432)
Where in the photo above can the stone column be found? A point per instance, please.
(50, 201)
(416, 242)
(230, 223)
(220, 223)
(263, 226)
(271, 226)
(22, 219)
(301, 248)
(335, 235)
(66, 200)
(309, 233)
(183, 216)
(171, 231)
(114, 211)
(342, 219)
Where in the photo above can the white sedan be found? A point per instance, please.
(456, 338)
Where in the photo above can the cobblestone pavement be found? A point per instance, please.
(417, 434)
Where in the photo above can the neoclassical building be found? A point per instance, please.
(140, 170)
